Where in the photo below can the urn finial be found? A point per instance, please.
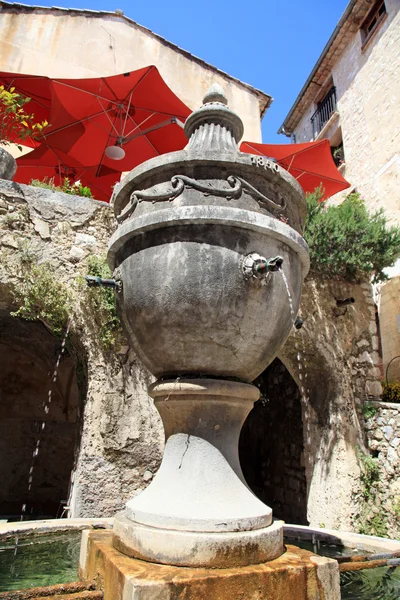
(214, 126)
(215, 93)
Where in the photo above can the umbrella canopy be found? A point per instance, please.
(136, 112)
(47, 164)
(310, 163)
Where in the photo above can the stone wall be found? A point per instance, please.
(382, 509)
(332, 360)
(120, 443)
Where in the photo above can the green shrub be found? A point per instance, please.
(369, 473)
(15, 123)
(347, 241)
(369, 410)
(68, 187)
(391, 392)
(41, 296)
(102, 304)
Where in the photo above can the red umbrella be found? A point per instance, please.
(119, 121)
(310, 163)
(46, 164)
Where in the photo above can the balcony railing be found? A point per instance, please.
(324, 111)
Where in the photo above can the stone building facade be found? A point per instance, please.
(110, 436)
(352, 98)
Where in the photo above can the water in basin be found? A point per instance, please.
(40, 560)
(381, 583)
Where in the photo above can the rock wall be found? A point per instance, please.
(120, 442)
(382, 506)
(332, 359)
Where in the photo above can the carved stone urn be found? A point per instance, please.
(8, 166)
(209, 262)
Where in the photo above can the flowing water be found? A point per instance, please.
(41, 560)
(46, 409)
(301, 365)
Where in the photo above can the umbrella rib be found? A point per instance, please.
(73, 87)
(108, 117)
(149, 69)
(127, 113)
(305, 171)
(76, 122)
(140, 124)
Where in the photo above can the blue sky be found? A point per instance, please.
(270, 44)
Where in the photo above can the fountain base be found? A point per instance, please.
(195, 548)
(199, 511)
(296, 574)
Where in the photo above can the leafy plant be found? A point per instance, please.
(41, 296)
(377, 525)
(396, 508)
(68, 187)
(369, 473)
(369, 410)
(102, 304)
(346, 241)
(391, 392)
(15, 123)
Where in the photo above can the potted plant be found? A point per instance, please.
(16, 125)
(338, 155)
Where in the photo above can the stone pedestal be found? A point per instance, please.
(198, 510)
(298, 574)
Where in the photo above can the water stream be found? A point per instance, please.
(46, 409)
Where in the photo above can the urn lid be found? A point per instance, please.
(214, 126)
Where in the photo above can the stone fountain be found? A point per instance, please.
(208, 261)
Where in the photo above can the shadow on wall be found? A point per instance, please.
(271, 446)
(39, 420)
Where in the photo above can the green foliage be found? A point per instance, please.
(41, 296)
(369, 473)
(396, 508)
(102, 304)
(15, 123)
(346, 241)
(369, 410)
(68, 187)
(391, 392)
(377, 525)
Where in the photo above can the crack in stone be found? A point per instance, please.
(186, 449)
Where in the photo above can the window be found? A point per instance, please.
(325, 109)
(373, 20)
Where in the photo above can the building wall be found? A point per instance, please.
(390, 327)
(65, 45)
(368, 99)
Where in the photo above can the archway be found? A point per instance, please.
(39, 420)
(271, 446)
